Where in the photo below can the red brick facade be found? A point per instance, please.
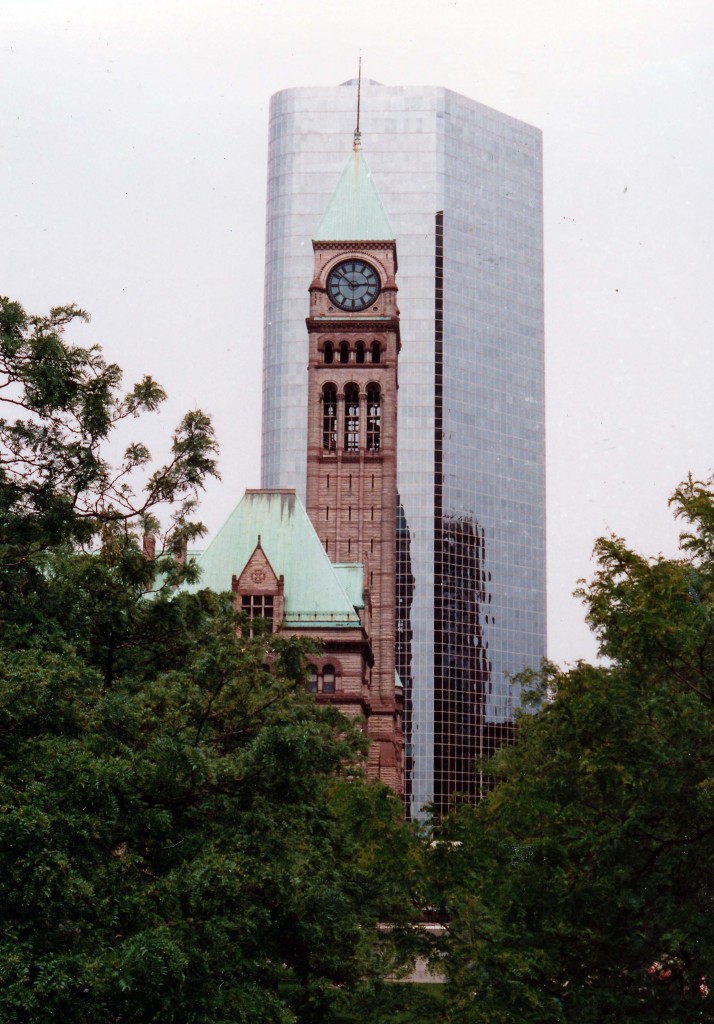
(351, 474)
(340, 675)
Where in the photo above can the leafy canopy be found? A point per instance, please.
(185, 836)
(60, 403)
(581, 889)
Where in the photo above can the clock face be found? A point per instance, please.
(353, 285)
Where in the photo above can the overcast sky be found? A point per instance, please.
(133, 143)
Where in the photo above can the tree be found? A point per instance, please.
(581, 889)
(184, 834)
(180, 840)
(66, 402)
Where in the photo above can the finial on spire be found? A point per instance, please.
(358, 133)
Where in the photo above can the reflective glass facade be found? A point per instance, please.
(462, 187)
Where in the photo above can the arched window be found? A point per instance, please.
(329, 417)
(344, 352)
(374, 418)
(328, 679)
(351, 418)
(322, 681)
(328, 352)
(359, 352)
(376, 352)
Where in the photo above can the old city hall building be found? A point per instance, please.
(327, 571)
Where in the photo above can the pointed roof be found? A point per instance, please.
(314, 593)
(355, 212)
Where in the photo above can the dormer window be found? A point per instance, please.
(259, 610)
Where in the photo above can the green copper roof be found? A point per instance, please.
(355, 212)
(351, 576)
(314, 594)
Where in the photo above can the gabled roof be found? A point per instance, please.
(355, 212)
(313, 594)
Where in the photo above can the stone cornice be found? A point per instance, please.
(353, 245)
(349, 324)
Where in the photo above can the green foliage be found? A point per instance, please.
(185, 835)
(177, 842)
(581, 889)
(60, 403)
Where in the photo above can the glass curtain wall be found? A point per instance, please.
(462, 187)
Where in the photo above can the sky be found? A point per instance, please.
(133, 148)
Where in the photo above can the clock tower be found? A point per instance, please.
(354, 342)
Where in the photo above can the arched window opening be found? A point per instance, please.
(311, 685)
(374, 418)
(344, 352)
(328, 679)
(328, 352)
(376, 352)
(351, 418)
(329, 417)
(359, 352)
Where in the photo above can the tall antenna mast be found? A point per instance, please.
(358, 134)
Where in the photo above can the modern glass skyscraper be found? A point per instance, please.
(462, 187)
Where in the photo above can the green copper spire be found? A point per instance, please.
(355, 212)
